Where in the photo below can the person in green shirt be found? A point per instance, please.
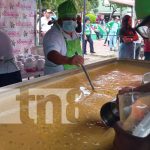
(87, 36)
(108, 28)
(113, 34)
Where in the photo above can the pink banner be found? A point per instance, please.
(17, 19)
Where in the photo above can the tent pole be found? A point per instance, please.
(83, 32)
(121, 13)
(133, 16)
(40, 13)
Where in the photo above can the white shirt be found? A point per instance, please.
(44, 24)
(54, 40)
(7, 63)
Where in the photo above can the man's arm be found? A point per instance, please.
(142, 88)
(59, 59)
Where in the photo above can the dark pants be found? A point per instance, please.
(147, 55)
(138, 49)
(89, 39)
(98, 35)
(10, 78)
(107, 33)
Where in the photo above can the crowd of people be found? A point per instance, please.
(119, 34)
(62, 38)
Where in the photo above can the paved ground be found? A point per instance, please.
(102, 53)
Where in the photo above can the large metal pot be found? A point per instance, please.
(126, 141)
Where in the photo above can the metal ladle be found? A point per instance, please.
(87, 75)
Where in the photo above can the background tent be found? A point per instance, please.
(123, 2)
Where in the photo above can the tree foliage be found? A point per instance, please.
(53, 4)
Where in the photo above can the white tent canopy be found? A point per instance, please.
(124, 2)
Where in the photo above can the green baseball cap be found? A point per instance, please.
(67, 9)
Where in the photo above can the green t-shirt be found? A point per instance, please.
(110, 24)
(87, 29)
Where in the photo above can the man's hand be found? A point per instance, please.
(127, 39)
(141, 88)
(125, 90)
(76, 60)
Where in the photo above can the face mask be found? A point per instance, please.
(53, 17)
(69, 26)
